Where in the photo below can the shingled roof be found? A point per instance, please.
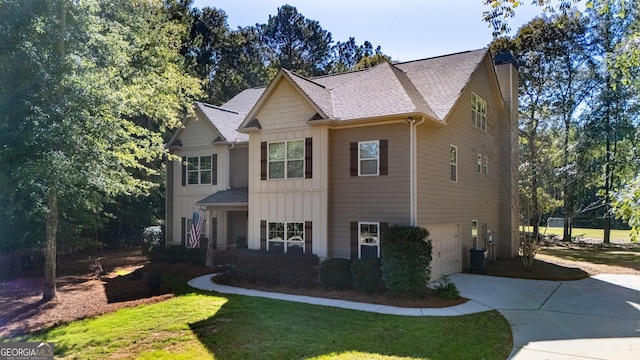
(429, 86)
(226, 118)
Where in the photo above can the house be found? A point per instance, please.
(324, 165)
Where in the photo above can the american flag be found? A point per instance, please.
(196, 229)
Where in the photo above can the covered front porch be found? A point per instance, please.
(227, 214)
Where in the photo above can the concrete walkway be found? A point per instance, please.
(594, 318)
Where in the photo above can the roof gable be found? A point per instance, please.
(430, 87)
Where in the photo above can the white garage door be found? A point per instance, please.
(447, 250)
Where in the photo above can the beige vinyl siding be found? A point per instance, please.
(196, 138)
(383, 198)
(238, 167)
(475, 195)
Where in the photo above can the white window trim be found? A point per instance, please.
(286, 241)
(285, 160)
(199, 170)
(361, 243)
(477, 114)
(453, 164)
(377, 158)
(479, 163)
(486, 165)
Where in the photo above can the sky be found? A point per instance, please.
(405, 29)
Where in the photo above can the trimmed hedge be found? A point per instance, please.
(261, 267)
(406, 260)
(367, 275)
(335, 274)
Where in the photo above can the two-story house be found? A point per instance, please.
(324, 165)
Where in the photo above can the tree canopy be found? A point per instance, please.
(80, 120)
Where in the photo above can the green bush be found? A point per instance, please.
(336, 274)
(367, 275)
(195, 256)
(261, 267)
(447, 290)
(175, 254)
(406, 260)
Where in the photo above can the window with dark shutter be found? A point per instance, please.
(263, 161)
(307, 237)
(183, 231)
(353, 151)
(263, 234)
(308, 158)
(384, 157)
(214, 169)
(354, 239)
(184, 170)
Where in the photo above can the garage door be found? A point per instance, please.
(447, 250)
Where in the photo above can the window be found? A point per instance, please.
(286, 159)
(368, 156)
(486, 165)
(479, 164)
(199, 170)
(453, 162)
(478, 112)
(474, 233)
(287, 237)
(369, 240)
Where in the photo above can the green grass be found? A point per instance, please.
(616, 235)
(205, 326)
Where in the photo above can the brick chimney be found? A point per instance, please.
(506, 68)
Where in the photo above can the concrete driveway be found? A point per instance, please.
(594, 318)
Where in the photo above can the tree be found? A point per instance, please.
(347, 55)
(531, 46)
(296, 43)
(81, 79)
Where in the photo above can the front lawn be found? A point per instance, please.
(198, 325)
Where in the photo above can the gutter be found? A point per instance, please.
(413, 169)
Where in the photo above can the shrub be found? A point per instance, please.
(195, 256)
(447, 290)
(175, 254)
(153, 243)
(261, 267)
(336, 274)
(367, 275)
(406, 260)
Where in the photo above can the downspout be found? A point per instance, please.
(413, 169)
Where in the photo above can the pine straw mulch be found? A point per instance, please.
(82, 295)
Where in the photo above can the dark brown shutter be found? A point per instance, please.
(183, 229)
(353, 150)
(384, 157)
(308, 243)
(354, 240)
(214, 169)
(383, 228)
(263, 160)
(184, 171)
(263, 234)
(308, 158)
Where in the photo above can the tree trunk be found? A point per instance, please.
(50, 247)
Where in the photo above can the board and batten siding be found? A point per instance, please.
(383, 198)
(475, 196)
(283, 118)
